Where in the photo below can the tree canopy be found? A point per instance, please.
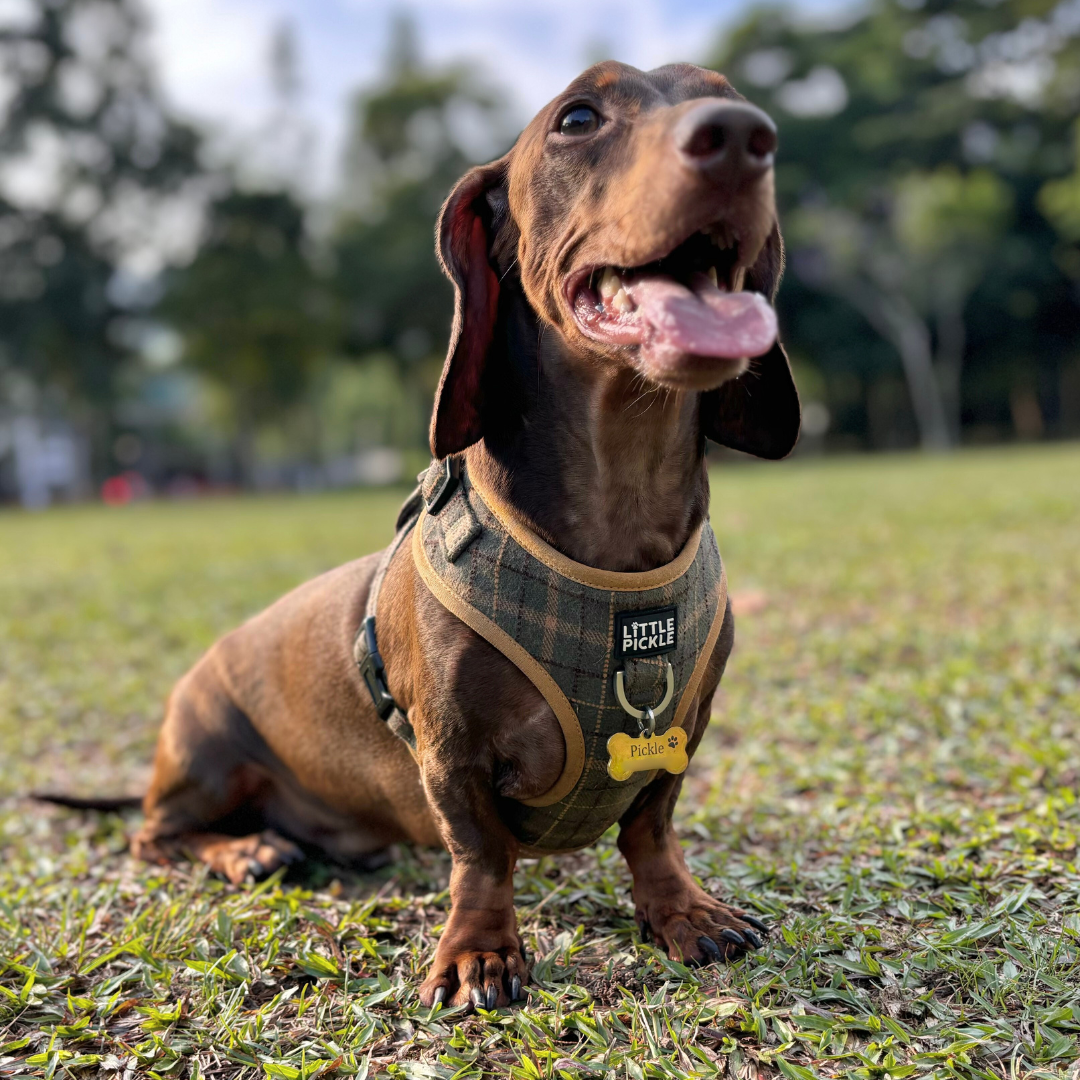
(412, 136)
(925, 191)
(928, 181)
(90, 160)
(251, 309)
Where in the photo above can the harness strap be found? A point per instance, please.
(436, 485)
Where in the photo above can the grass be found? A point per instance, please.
(890, 777)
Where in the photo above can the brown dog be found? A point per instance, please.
(611, 276)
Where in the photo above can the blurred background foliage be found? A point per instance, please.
(170, 324)
(929, 187)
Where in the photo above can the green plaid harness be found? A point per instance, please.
(557, 620)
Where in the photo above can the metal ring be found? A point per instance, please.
(650, 717)
(653, 711)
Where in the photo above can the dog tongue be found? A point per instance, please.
(703, 320)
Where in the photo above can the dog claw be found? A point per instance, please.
(256, 869)
(477, 997)
(492, 996)
(732, 936)
(645, 930)
(752, 938)
(709, 947)
(440, 996)
(515, 988)
(757, 924)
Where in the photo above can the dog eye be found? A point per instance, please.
(580, 120)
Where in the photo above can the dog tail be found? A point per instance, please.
(123, 802)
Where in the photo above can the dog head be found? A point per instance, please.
(636, 215)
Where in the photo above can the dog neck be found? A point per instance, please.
(609, 470)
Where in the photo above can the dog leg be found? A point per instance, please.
(694, 927)
(480, 959)
(691, 925)
(210, 766)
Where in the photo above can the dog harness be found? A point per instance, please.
(607, 650)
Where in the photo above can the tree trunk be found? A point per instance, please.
(244, 455)
(894, 318)
(951, 342)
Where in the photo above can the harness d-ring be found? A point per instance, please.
(650, 712)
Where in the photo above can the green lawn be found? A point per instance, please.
(891, 778)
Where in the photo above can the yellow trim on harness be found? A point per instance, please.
(614, 580)
(704, 656)
(501, 640)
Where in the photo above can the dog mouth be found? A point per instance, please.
(689, 303)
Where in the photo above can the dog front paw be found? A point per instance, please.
(474, 977)
(696, 929)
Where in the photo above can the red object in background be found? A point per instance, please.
(116, 491)
(122, 489)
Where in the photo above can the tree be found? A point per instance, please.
(914, 141)
(89, 160)
(252, 311)
(412, 137)
(1059, 200)
(910, 271)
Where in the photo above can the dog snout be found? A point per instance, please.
(731, 142)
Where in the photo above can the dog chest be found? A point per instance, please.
(598, 645)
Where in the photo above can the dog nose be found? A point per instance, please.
(729, 141)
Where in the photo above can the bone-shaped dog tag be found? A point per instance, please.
(643, 753)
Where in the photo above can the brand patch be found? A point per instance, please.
(646, 633)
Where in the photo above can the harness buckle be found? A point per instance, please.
(373, 672)
(444, 487)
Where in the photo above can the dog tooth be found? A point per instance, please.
(621, 302)
(712, 275)
(737, 279)
(610, 283)
(720, 237)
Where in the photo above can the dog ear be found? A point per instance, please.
(463, 238)
(759, 411)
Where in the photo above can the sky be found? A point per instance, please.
(213, 55)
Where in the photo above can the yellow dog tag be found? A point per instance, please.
(628, 755)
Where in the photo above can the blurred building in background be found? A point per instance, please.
(40, 463)
(179, 321)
